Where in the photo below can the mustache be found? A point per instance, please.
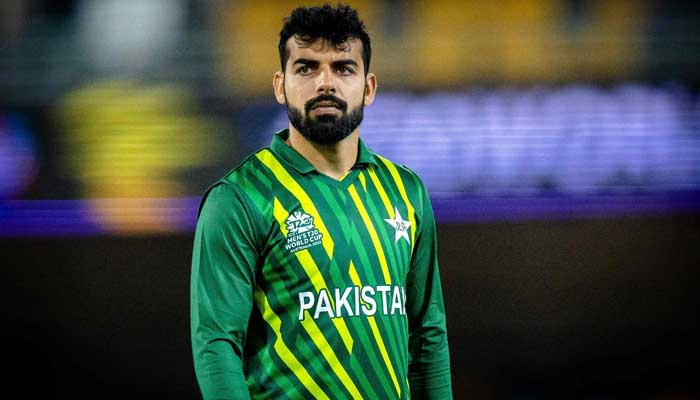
(342, 105)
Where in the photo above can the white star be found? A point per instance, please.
(400, 225)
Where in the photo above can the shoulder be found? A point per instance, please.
(251, 165)
(230, 190)
(404, 177)
(220, 198)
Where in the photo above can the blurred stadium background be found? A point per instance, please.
(560, 141)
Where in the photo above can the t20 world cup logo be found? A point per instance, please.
(299, 222)
(301, 232)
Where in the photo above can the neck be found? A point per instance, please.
(332, 160)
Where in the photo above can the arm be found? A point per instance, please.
(429, 368)
(221, 290)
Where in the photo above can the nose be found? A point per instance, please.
(325, 84)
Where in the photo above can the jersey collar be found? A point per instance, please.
(278, 146)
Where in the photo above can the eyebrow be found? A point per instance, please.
(314, 63)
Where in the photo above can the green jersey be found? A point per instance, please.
(305, 287)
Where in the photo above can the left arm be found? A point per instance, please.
(429, 368)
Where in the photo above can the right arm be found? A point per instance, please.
(221, 291)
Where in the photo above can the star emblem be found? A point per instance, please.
(400, 225)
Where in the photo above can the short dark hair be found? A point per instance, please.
(336, 25)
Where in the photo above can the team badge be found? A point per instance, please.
(400, 226)
(301, 232)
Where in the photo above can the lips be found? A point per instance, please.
(325, 103)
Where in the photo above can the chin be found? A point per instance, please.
(326, 118)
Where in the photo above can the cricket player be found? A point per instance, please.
(314, 269)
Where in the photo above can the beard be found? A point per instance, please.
(325, 130)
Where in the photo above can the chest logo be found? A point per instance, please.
(400, 226)
(301, 232)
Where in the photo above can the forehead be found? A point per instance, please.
(324, 50)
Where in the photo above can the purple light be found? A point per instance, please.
(18, 166)
(19, 218)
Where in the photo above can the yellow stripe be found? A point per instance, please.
(363, 181)
(375, 331)
(280, 215)
(328, 353)
(267, 158)
(353, 275)
(402, 190)
(314, 274)
(283, 351)
(312, 271)
(385, 354)
(382, 193)
(372, 233)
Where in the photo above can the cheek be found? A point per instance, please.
(357, 90)
(299, 91)
(355, 95)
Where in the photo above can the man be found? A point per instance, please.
(314, 270)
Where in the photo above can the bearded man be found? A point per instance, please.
(314, 269)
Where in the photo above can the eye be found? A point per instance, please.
(304, 69)
(345, 70)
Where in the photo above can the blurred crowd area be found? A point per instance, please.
(228, 48)
(133, 107)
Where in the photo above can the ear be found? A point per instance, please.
(278, 86)
(370, 88)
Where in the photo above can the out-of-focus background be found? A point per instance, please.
(559, 139)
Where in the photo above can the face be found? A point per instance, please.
(324, 89)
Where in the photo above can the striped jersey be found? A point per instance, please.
(308, 287)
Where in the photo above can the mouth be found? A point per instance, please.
(325, 105)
